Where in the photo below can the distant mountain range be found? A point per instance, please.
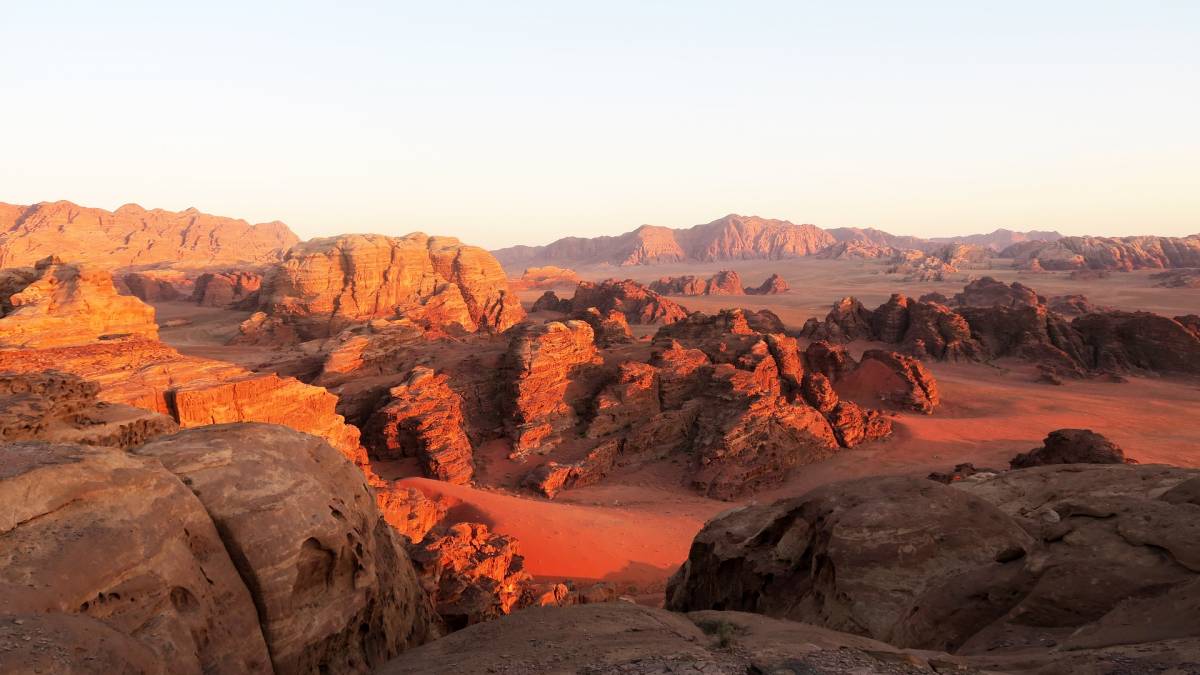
(133, 236)
(735, 237)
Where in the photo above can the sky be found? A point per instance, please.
(521, 122)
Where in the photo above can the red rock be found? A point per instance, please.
(539, 365)
(900, 380)
(552, 477)
(987, 292)
(226, 289)
(832, 361)
(847, 321)
(857, 250)
(676, 366)
(1109, 253)
(610, 329)
(55, 304)
(423, 418)
(408, 510)
(725, 282)
(157, 285)
(819, 393)
(471, 573)
(1131, 341)
(635, 301)
(1179, 278)
(550, 302)
(633, 397)
(132, 235)
(324, 285)
(853, 426)
(548, 276)
(1072, 446)
(774, 285)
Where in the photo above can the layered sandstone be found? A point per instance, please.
(423, 418)
(1109, 253)
(549, 276)
(54, 304)
(225, 289)
(132, 236)
(326, 285)
(639, 304)
(772, 285)
(725, 282)
(158, 285)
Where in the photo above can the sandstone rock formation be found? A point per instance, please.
(1109, 253)
(610, 328)
(194, 391)
(725, 282)
(1178, 278)
(132, 235)
(334, 589)
(546, 277)
(539, 366)
(1072, 446)
(225, 289)
(858, 250)
(55, 304)
(550, 302)
(423, 418)
(1083, 556)
(773, 285)
(158, 285)
(325, 285)
(63, 408)
(638, 303)
(730, 238)
(1000, 239)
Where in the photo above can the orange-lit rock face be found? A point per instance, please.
(325, 285)
(423, 418)
(548, 276)
(132, 235)
(725, 282)
(158, 285)
(195, 391)
(55, 304)
(638, 303)
(1108, 253)
(225, 289)
(539, 365)
(773, 285)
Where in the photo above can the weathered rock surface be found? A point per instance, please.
(132, 235)
(725, 282)
(610, 328)
(63, 408)
(225, 289)
(1083, 556)
(638, 303)
(158, 285)
(548, 276)
(773, 285)
(334, 589)
(325, 285)
(114, 537)
(423, 418)
(194, 391)
(1072, 446)
(54, 304)
(1178, 278)
(730, 238)
(1109, 253)
(550, 302)
(539, 367)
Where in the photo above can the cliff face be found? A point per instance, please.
(55, 304)
(730, 238)
(1108, 253)
(325, 285)
(132, 235)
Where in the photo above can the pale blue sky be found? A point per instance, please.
(520, 122)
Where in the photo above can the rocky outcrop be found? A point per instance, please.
(918, 266)
(550, 302)
(847, 321)
(1000, 239)
(63, 408)
(1138, 341)
(773, 285)
(1073, 305)
(539, 367)
(1072, 446)
(54, 304)
(549, 276)
(132, 235)
(226, 289)
(858, 250)
(988, 292)
(423, 418)
(730, 238)
(334, 589)
(158, 285)
(1082, 556)
(551, 478)
(610, 328)
(638, 303)
(194, 391)
(325, 285)
(471, 573)
(1109, 253)
(725, 282)
(1179, 278)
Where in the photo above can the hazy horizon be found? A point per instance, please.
(523, 123)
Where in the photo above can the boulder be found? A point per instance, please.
(1072, 446)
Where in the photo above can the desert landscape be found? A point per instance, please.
(622, 338)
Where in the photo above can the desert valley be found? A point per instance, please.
(744, 446)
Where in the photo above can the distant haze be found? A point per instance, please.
(520, 123)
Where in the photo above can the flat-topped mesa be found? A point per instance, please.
(194, 391)
(133, 236)
(541, 361)
(1108, 253)
(546, 277)
(325, 285)
(64, 408)
(55, 304)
